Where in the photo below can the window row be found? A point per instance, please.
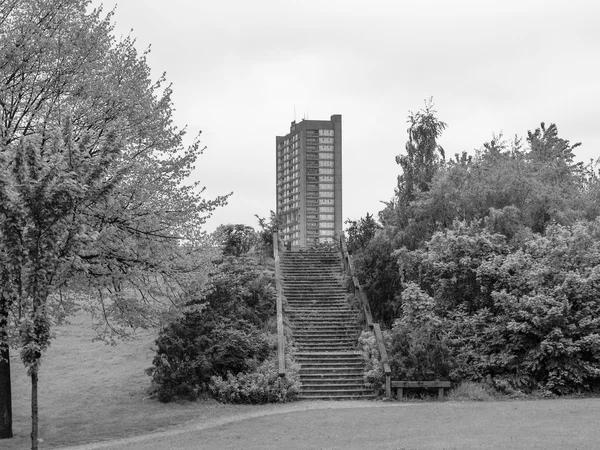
(315, 170)
(288, 155)
(288, 171)
(287, 206)
(321, 217)
(319, 225)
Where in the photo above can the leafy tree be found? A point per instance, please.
(265, 235)
(236, 240)
(48, 181)
(423, 159)
(377, 269)
(107, 208)
(556, 177)
(360, 232)
(423, 154)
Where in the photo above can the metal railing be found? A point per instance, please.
(360, 296)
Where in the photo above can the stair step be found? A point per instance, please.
(336, 387)
(331, 347)
(337, 397)
(329, 393)
(326, 339)
(317, 309)
(316, 372)
(333, 377)
(328, 366)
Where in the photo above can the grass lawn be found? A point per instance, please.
(539, 424)
(90, 391)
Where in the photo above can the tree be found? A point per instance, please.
(360, 232)
(236, 239)
(377, 270)
(557, 177)
(46, 184)
(75, 103)
(267, 228)
(424, 157)
(423, 153)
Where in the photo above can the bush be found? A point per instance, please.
(200, 345)
(526, 319)
(241, 287)
(419, 348)
(260, 386)
(221, 331)
(374, 376)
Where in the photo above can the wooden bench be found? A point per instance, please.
(401, 385)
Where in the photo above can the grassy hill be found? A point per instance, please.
(90, 391)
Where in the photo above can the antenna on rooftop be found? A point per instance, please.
(294, 113)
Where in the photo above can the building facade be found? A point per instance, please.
(309, 182)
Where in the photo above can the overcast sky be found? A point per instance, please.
(243, 70)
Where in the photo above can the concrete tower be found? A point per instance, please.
(309, 181)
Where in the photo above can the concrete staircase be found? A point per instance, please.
(324, 326)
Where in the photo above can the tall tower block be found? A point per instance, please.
(309, 181)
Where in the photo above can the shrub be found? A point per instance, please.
(260, 386)
(527, 319)
(241, 287)
(374, 376)
(199, 345)
(419, 348)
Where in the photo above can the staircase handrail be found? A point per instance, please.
(279, 303)
(359, 294)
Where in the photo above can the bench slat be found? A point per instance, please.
(418, 384)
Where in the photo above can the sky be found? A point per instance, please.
(243, 70)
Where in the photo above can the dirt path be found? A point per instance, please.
(347, 425)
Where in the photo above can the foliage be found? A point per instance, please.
(265, 235)
(219, 332)
(199, 345)
(94, 179)
(377, 270)
(236, 240)
(70, 80)
(374, 375)
(360, 232)
(529, 319)
(261, 385)
(496, 255)
(423, 153)
(419, 349)
(240, 287)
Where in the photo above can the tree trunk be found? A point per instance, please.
(5, 390)
(5, 394)
(34, 409)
